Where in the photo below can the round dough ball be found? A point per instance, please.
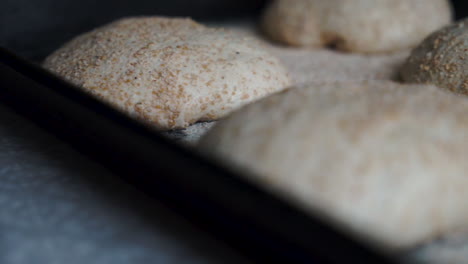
(385, 161)
(442, 59)
(169, 72)
(365, 26)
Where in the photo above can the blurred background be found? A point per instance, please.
(35, 28)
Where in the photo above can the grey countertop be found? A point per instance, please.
(59, 207)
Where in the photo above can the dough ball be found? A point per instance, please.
(385, 161)
(441, 59)
(365, 26)
(169, 72)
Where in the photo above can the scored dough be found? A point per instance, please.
(169, 72)
(355, 25)
(387, 161)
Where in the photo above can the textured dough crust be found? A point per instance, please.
(442, 59)
(385, 160)
(169, 72)
(355, 25)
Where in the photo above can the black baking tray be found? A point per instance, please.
(256, 223)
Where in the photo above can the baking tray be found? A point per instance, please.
(253, 221)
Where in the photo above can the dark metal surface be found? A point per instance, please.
(252, 221)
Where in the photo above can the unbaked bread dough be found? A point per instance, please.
(441, 59)
(169, 72)
(355, 25)
(385, 160)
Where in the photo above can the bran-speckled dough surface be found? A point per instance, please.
(441, 59)
(169, 72)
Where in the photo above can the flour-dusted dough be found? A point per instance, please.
(355, 25)
(386, 160)
(441, 59)
(169, 72)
